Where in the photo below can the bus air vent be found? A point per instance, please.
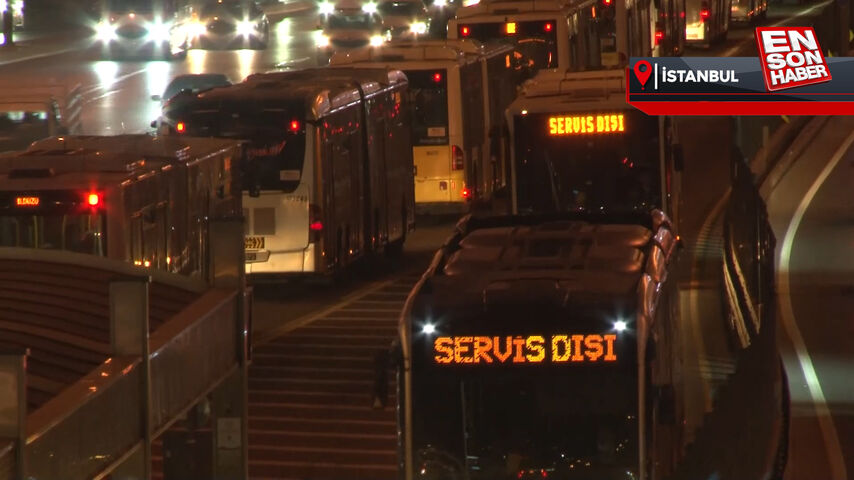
(31, 173)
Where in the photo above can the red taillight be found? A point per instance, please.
(437, 77)
(521, 472)
(93, 199)
(548, 27)
(607, 3)
(315, 224)
(466, 193)
(704, 12)
(294, 125)
(544, 473)
(465, 31)
(458, 159)
(659, 36)
(180, 127)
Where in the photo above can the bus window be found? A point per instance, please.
(81, 233)
(428, 93)
(277, 140)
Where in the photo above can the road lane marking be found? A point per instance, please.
(732, 51)
(825, 420)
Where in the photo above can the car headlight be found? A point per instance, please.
(105, 32)
(369, 7)
(322, 40)
(196, 29)
(377, 40)
(326, 8)
(159, 32)
(245, 28)
(418, 28)
(439, 3)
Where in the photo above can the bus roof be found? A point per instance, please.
(46, 163)
(170, 146)
(507, 259)
(370, 79)
(485, 8)
(445, 51)
(552, 91)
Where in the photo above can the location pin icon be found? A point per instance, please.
(643, 75)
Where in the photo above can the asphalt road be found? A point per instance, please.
(811, 214)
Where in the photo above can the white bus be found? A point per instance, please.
(707, 21)
(328, 178)
(133, 198)
(578, 146)
(575, 35)
(458, 90)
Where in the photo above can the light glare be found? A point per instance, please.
(428, 329)
(620, 326)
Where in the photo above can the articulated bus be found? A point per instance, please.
(96, 195)
(542, 347)
(706, 21)
(575, 35)
(458, 90)
(328, 176)
(578, 146)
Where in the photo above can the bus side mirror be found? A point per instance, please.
(678, 158)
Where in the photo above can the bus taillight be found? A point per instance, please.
(295, 125)
(180, 127)
(607, 3)
(93, 199)
(458, 159)
(315, 224)
(466, 193)
(705, 12)
(547, 27)
(659, 34)
(465, 31)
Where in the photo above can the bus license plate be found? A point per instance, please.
(253, 243)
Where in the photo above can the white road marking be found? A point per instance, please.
(825, 420)
(732, 51)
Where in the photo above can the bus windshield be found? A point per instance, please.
(276, 135)
(428, 91)
(355, 20)
(499, 420)
(536, 40)
(601, 162)
(74, 232)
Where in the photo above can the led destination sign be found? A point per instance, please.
(527, 349)
(585, 124)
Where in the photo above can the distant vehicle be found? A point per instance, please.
(348, 26)
(707, 21)
(31, 113)
(328, 180)
(541, 347)
(459, 90)
(140, 28)
(134, 198)
(230, 24)
(194, 83)
(407, 19)
(748, 11)
(576, 145)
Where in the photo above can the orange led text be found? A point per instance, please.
(585, 124)
(529, 349)
(27, 201)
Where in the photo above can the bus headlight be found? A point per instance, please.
(245, 28)
(159, 32)
(196, 29)
(105, 32)
(418, 28)
(369, 7)
(322, 40)
(377, 40)
(326, 8)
